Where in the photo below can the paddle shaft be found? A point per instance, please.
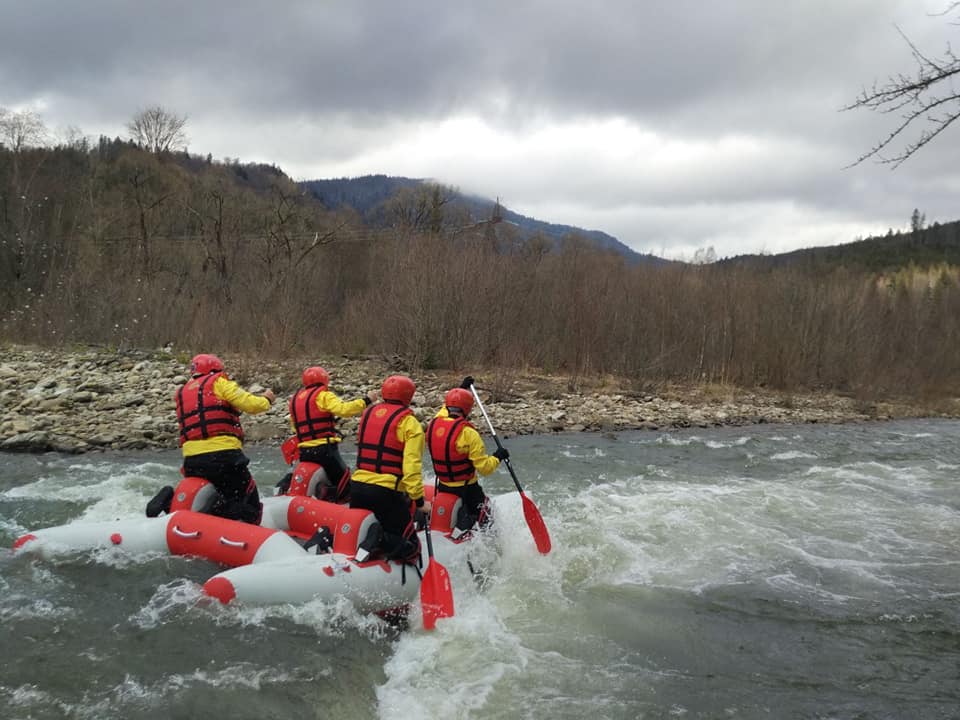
(530, 511)
(426, 532)
(496, 438)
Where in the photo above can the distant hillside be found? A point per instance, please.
(929, 246)
(368, 193)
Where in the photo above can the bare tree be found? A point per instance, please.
(158, 130)
(420, 208)
(21, 129)
(927, 100)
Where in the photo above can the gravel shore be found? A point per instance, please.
(82, 399)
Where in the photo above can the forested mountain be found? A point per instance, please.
(921, 247)
(370, 195)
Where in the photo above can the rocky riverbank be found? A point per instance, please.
(82, 399)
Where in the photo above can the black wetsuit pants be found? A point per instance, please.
(338, 475)
(392, 510)
(228, 472)
(475, 508)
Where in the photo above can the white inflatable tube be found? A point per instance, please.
(183, 532)
(134, 535)
(268, 565)
(372, 586)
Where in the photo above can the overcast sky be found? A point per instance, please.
(672, 125)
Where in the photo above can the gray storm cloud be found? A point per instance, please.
(721, 104)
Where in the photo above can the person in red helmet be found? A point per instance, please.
(458, 455)
(313, 412)
(389, 472)
(211, 437)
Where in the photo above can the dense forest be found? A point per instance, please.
(112, 243)
(921, 246)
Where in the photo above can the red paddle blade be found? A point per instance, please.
(436, 594)
(537, 527)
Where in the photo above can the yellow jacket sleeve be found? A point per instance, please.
(471, 444)
(410, 433)
(328, 401)
(239, 398)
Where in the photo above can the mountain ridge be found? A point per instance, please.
(367, 193)
(928, 246)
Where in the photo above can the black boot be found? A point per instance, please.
(322, 539)
(465, 522)
(370, 544)
(160, 502)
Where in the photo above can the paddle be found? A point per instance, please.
(530, 512)
(436, 593)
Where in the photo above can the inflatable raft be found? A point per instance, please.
(304, 548)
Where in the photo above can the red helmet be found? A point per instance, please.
(316, 375)
(459, 399)
(204, 363)
(399, 388)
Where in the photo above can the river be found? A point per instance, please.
(762, 572)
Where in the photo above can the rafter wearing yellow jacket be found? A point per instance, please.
(313, 413)
(459, 455)
(389, 474)
(211, 436)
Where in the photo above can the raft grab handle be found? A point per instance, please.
(191, 535)
(233, 543)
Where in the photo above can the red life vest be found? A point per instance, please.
(201, 414)
(309, 421)
(378, 449)
(450, 465)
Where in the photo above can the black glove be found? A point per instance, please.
(284, 484)
(467, 382)
(501, 453)
(420, 519)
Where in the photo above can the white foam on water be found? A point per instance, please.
(169, 600)
(16, 608)
(33, 699)
(793, 455)
(333, 618)
(16, 604)
(11, 527)
(579, 452)
(182, 598)
(826, 533)
(119, 558)
(836, 473)
(26, 695)
(107, 492)
(712, 444)
(676, 441)
(452, 670)
(720, 444)
(134, 695)
(472, 660)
